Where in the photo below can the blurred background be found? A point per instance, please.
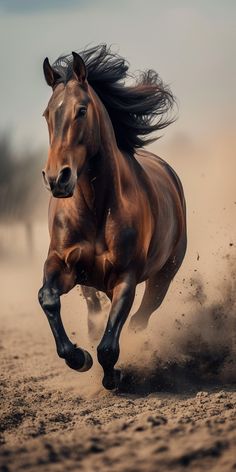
(191, 44)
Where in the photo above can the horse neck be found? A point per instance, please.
(110, 154)
(107, 169)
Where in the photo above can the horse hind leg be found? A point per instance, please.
(155, 292)
(94, 307)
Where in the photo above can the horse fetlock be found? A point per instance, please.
(108, 355)
(64, 351)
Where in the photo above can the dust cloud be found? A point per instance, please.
(194, 346)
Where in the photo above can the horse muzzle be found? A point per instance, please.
(61, 186)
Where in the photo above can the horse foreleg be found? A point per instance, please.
(57, 282)
(108, 349)
(94, 307)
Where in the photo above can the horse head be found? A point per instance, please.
(73, 125)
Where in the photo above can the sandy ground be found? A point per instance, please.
(179, 415)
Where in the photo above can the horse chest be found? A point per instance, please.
(93, 256)
(95, 261)
(91, 265)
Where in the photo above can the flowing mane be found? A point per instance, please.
(135, 110)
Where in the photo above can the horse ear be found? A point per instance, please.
(51, 76)
(79, 68)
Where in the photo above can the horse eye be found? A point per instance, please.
(81, 112)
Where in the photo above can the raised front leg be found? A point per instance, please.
(108, 349)
(58, 280)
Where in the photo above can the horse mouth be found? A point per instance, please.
(62, 194)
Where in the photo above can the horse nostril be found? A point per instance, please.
(64, 175)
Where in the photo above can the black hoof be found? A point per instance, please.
(112, 381)
(79, 360)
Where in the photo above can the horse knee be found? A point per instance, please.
(49, 300)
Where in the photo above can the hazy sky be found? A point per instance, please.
(191, 43)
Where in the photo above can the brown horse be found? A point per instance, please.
(117, 212)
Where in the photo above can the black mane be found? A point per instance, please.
(135, 110)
